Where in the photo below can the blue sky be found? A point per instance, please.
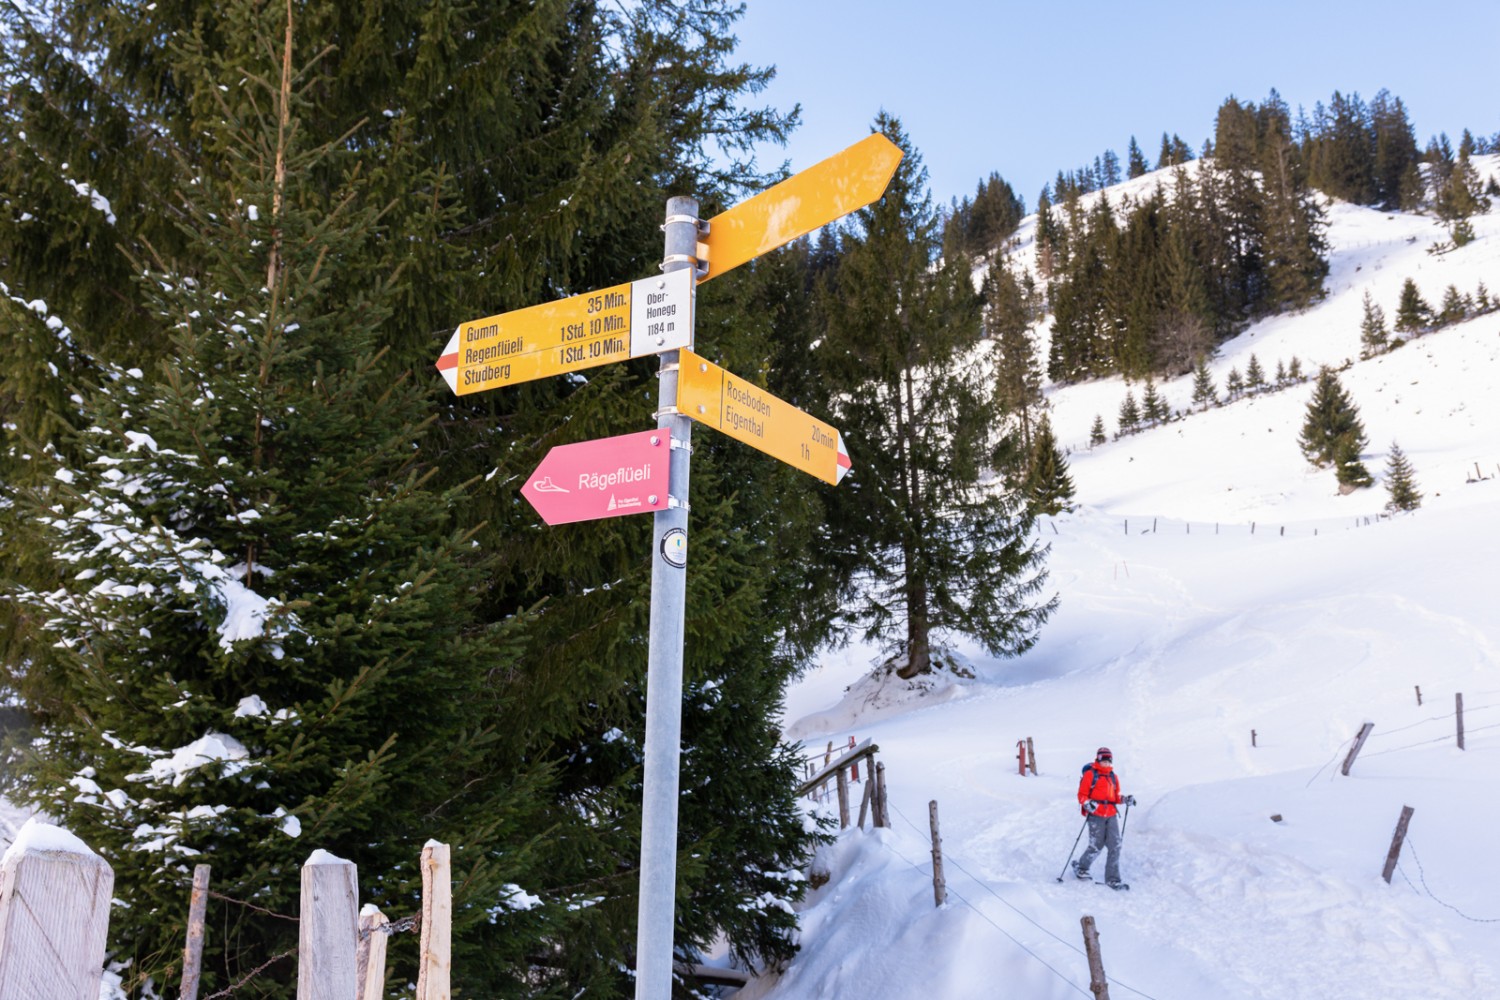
(1028, 89)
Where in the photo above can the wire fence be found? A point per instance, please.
(1422, 875)
(948, 859)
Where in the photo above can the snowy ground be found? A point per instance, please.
(1245, 594)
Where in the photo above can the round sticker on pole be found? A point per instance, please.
(674, 547)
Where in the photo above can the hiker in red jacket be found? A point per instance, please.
(1099, 796)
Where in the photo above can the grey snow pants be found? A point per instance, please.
(1104, 832)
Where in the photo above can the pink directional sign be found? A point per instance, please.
(609, 477)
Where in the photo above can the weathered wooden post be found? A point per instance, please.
(882, 818)
(1458, 701)
(329, 928)
(1359, 742)
(939, 885)
(1021, 757)
(1098, 983)
(864, 801)
(436, 968)
(369, 961)
(842, 780)
(1419, 694)
(1252, 737)
(54, 915)
(1030, 755)
(1396, 842)
(192, 952)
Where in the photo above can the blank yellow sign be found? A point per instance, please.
(748, 413)
(815, 197)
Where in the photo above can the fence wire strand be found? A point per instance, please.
(949, 859)
(1423, 876)
(251, 974)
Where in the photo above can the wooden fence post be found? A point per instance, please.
(939, 885)
(1419, 694)
(1252, 737)
(436, 968)
(1098, 983)
(1458, 701)
(369, 961)
(1359, 742)
(1021, 757)
(882, 818)
(1030, 755)
(329, 928)
(1396, 842)
(54, 915)
(864, 801)
(192, 952)
(843, 783)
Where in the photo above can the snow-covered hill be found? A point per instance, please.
(1213, 584)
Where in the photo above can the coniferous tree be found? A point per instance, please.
(1400, 482)
(1153, 408)
(1204, 394)
(1459, 197)
(941, 553)
(1049, 488)
(265, 643)
(1452, 309)
(488, 198)
(1342, 150)
(1396, 168)
(1130, 414)
(1332, 423)
(1348, 469)
(1096, 431)
(1294, 222)
(1111, 172)
(1018, 379)
(1255, 375)
(1280, 373)
(1412, 311)
(1050, 248)
(1136, 165)
(1294, 369)
(1234, 383)
(1373, 336)
(1082, 321)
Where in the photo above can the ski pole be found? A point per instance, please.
(1075, 847)
(1123, 823)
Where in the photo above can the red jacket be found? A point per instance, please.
(1099, 783)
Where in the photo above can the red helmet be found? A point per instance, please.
(1104, 754)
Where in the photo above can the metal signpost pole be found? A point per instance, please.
(657, 913)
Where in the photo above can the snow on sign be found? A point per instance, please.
(608, 477)
(748, 413)
(632, 320)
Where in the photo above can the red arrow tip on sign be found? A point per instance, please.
(845, 464)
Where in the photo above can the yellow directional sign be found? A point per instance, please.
(798, 205)
(711, 395)
(612, 324)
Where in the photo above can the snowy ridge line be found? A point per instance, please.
(949, 858)
(1423, 876)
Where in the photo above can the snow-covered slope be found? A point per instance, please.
(1213, 584)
